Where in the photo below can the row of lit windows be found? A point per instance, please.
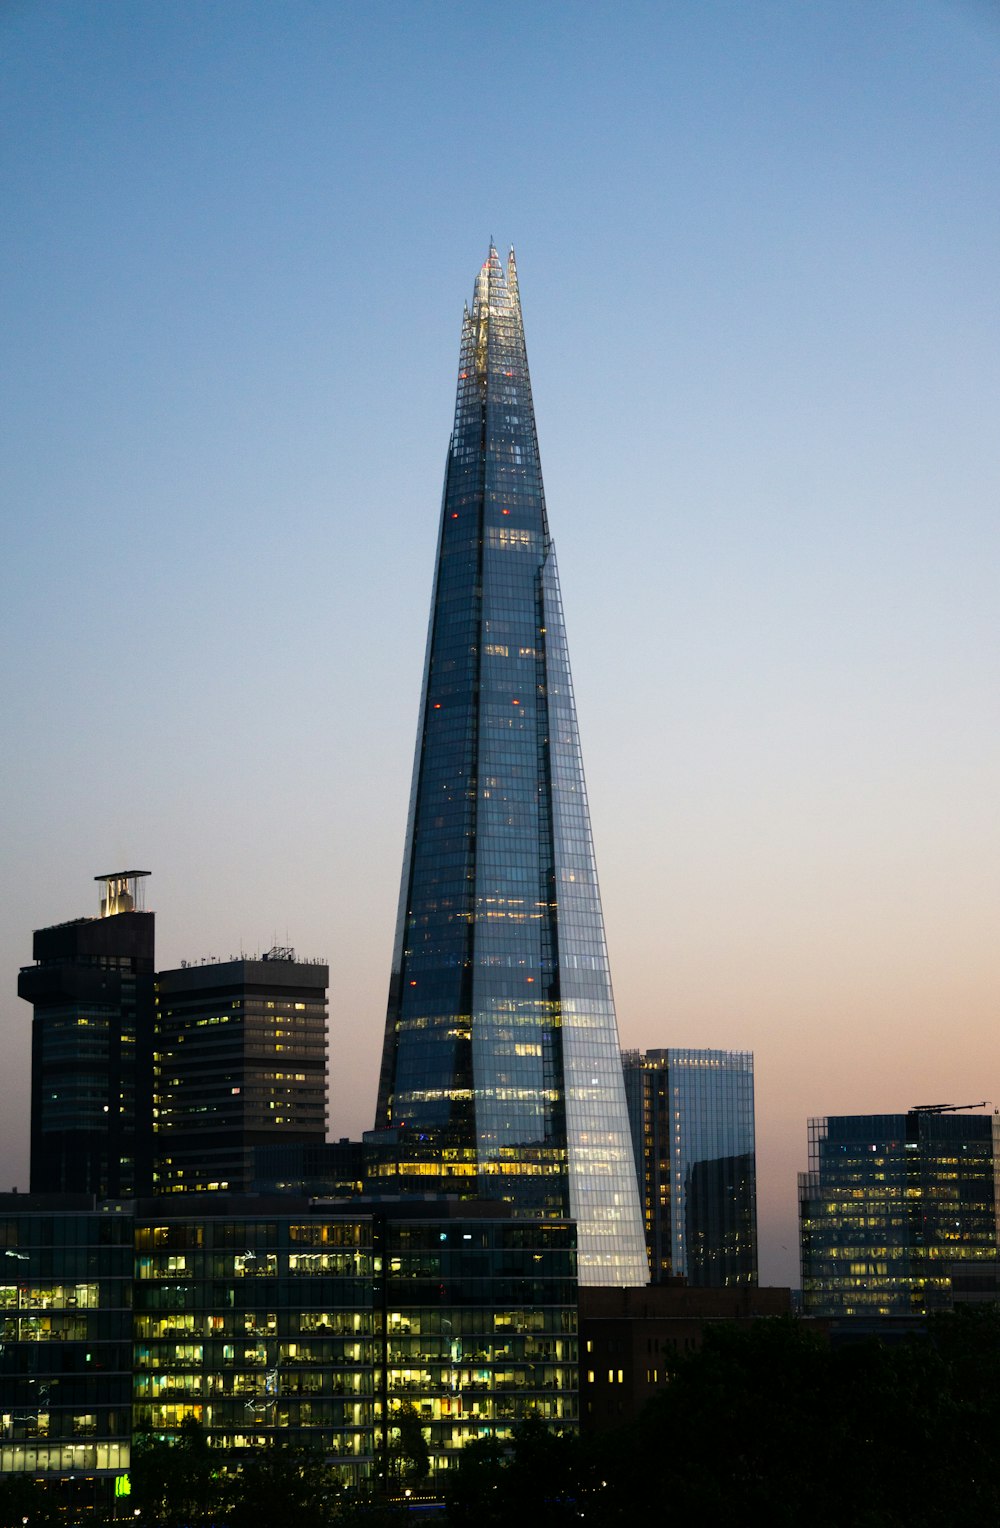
(49, 1297)
(27, 1458)
(245, 1264)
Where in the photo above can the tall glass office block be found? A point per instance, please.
(501, 1074)
(692, 1118)
(714, 1220)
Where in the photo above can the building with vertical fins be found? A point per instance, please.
(692, 1119)
(501, 1076)
(91, 988)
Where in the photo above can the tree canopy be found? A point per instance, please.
(770, 1422)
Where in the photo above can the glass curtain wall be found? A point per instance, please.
(692, 1118)
(501, 1074)
(891, 1205)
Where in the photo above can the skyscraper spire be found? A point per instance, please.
(501, 1069)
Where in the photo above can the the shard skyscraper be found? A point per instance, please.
(501, 1076)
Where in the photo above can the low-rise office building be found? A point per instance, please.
(631, 1338)
(340, 1325)
(480, 1323)
(66, 1280)
(892, 1206)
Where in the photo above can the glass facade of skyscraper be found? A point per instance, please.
(501, 1073)
(891, 1202)
(692, 1119)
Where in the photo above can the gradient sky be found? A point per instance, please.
(759, 248)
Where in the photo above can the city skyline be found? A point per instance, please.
(759, 253)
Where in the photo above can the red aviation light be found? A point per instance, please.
(505, 511)
(437, 705)
(515, 702)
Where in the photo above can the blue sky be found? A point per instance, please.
(758, 248)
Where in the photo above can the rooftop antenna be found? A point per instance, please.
(946, 1108)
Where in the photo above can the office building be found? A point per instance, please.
(632, 1340)
(66, 1270)
(893, 1206)
(692, 1118)
(321, 1324)
(91, 989)
(340, 1327)
(241, 1064)
(258, 1320)
(501, 1075)
(479, 1314)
